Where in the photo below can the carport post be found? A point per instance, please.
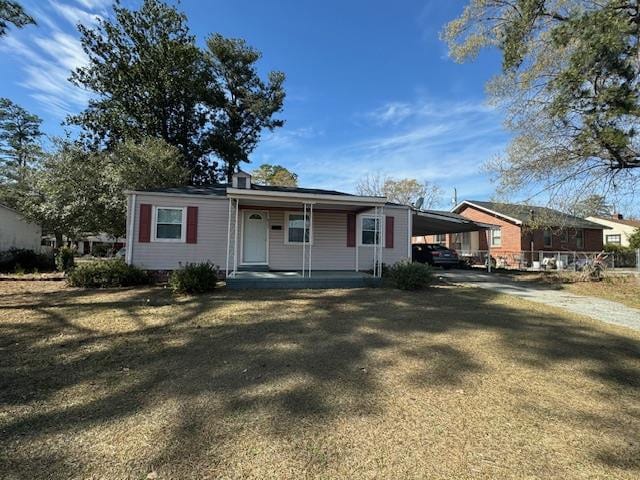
(489, 249)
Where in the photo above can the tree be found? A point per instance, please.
(569, 85)
(146, 165)
(12, 12)
(274, 175)
(634, 239)
(19, 148)
(250, 103)
(591, 206)
(62, 193)
(150, 80)
(78, 191)
(405, 191)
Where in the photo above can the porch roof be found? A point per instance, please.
(430, 222)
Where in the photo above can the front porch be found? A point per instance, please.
(296, 280)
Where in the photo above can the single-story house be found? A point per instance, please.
(17, 232)
(255, 232)
(620, 229)
(519, 230)
(99, 244)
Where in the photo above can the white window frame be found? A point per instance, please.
(381, 229)
(493, 238)
(308, 227)
(440, 238)
(183, 225)
(607, 242)
(544, 238)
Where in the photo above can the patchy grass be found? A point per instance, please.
(618, 288)
(446, 383)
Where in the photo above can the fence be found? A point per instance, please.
(549, 260)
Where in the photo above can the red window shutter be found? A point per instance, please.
(144, 233)
(192, 224)
(388, 232)
(351, 230)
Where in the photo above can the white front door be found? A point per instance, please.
(254, 237)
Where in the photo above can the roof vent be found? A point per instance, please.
(618, 216)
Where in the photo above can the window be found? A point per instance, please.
(369, 226)
(296, 228)
(496, 237)
(441, 238)
(613, 239)
(169, 224)
(580, 238)
(565, 236)
(242, 182)
(547, 238)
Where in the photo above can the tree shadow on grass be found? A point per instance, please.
(288, 358)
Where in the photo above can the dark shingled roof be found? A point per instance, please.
(533, 215)
(220, 189)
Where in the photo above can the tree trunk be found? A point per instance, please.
(58, 236)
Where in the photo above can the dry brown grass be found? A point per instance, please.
(618, 288)
(448, 383)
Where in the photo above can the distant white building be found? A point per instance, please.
(16, 232)
(619, 231)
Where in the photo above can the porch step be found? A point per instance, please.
(253, 268)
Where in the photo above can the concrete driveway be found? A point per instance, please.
(596, 308)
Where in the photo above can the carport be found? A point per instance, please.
(433, 222)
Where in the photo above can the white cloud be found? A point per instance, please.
(74, 15)
(47, 55)
(442, 142)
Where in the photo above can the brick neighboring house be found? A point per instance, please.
(520, 231)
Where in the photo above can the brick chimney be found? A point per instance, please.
(617, 216)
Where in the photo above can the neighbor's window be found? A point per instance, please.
(441, 238)
(614, 239)
(496, 237)
(296, 228)
(547, 238)
(580, 238)
(169, 223)
(369, 226)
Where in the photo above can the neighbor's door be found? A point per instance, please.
(254, 238)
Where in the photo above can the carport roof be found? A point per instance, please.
(431, 222)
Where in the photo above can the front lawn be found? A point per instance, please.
(368, 383)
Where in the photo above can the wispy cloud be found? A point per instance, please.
(438, 141)
(49, 53)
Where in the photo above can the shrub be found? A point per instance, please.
(106, 273)
(25, 261)
(64, 259)
(411, 276)
(194, 278)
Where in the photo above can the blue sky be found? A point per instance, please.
(370, 88)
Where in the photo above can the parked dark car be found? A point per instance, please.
(435, 255)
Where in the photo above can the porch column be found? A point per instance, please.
(304, 237)
(310, 235)
(235, 248)
(226, 269)
(489, 231)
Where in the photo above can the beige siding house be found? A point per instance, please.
(16, 232)
(243, 227)
(620, 229)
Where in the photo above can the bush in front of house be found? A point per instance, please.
(194, 278)
(65, 259)
(23, 260)
(410, 276)
(106, 273)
